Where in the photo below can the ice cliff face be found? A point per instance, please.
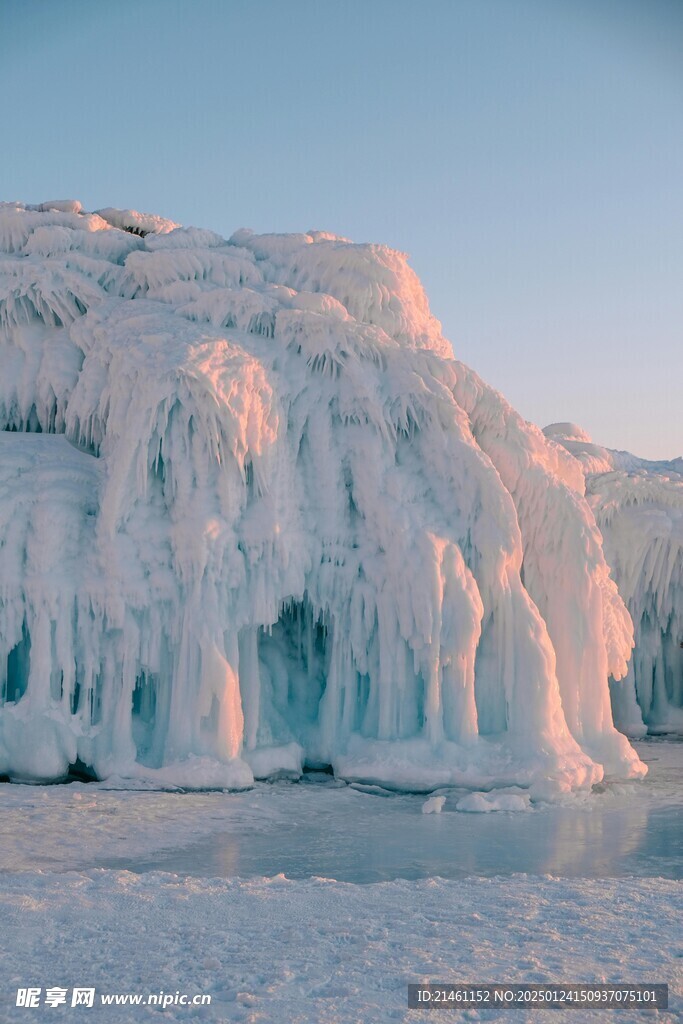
(253, 512)
(638, 505)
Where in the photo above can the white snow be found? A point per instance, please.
(316, 950)
(331, 953)
(131, 220)
(638, 505)
(281, 524)
(434, 805)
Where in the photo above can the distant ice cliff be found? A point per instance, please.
(639, 508)
(254, 513)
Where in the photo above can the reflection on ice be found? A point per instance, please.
(349, 834)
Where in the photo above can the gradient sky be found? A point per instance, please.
(528, 154)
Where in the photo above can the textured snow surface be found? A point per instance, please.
(331, 951)
(638, 505)
(253, 512)
(270, 949)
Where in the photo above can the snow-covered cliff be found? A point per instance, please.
(638, 505)
(253, 512)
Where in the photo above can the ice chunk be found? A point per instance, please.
(282, 524)
(638, 505)
(484, 803)
(434, 805)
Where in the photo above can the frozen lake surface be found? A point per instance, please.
(375, 844)
(322, 827)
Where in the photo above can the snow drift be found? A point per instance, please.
(638, 505)
(254, 514)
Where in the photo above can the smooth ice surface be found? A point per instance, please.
(353, 833)
(638, 506)
(254, 513)
(356, 836)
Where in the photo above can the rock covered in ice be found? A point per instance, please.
(638, 505)
(254, 513)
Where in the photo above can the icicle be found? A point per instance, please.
(282, 523)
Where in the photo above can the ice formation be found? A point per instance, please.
(253, 514)
(638, 506)
(434, 805)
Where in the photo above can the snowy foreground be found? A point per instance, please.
(254, 514)
(315, 950)
(319, 951)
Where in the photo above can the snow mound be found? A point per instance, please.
(484, 803)
(638, 506)
(434, 805)
(253, 514)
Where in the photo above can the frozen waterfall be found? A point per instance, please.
(254, 514)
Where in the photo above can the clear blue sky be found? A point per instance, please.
(528, 154)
